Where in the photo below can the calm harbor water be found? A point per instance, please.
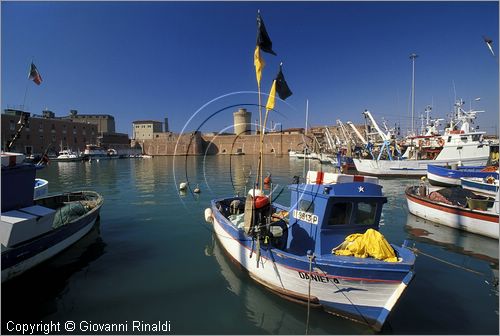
(153, 258)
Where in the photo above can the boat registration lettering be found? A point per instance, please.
(305, 216)
(316, 277)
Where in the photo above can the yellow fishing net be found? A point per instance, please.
(369, 244)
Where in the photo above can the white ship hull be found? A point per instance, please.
(409, 168)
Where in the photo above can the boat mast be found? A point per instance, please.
(412, 57)
(307, 113)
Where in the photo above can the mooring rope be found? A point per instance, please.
(444, 261)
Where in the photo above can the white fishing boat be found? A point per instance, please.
(455, 207)
(94, 153)
(284, 248)
(466, 146)
(67, 155)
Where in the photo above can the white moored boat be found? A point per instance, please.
(458, 208)
(465, 146)
(296, 251)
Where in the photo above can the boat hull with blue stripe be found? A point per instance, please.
(444, 176)
(480, 185)
(361, 289)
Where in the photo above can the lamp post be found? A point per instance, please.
(412, 57)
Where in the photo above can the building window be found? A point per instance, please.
(40, 127)
(12, 126)
(27, 136)
(53, 138)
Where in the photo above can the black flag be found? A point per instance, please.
(281, 86)
(263, 40)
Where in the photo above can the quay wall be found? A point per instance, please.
(195, 143)
(274, 143)
(168, 143)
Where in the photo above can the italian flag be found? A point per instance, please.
(35, 75)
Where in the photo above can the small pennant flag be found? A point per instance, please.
(263, 40)
(489, 43)
(280, 87)
(34, 75)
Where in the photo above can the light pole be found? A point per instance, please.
(412, 57)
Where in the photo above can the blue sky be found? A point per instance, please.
(150, 60)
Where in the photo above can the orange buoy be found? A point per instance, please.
(267, 179)
(261, 201)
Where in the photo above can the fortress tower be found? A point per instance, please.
(242, 124)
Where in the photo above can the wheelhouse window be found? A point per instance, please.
(366, 213)
(340, 213)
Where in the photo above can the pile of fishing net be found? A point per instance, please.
(453, 195)
(71, 211)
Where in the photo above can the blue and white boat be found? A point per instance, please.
(447, 176)
(41, 188)
(293, 250)
(487, 186)
(32, 231)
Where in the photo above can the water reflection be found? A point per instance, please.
(464, 243)
(24, 297)
(271, 313)
(242, 174)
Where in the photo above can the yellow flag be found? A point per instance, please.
(270, 100)
(259, 63)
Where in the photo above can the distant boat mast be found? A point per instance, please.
(412, 57)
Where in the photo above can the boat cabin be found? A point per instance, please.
(328, 208)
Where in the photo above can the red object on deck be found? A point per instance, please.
(261, 201)
(319, 177)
